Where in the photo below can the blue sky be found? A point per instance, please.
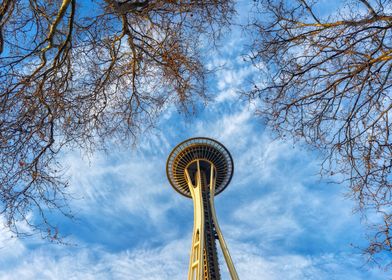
(279, 218)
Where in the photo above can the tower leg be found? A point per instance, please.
(225, 250)
(203, 264)
(196, 263)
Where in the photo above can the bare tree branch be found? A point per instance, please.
(78, 77)
(329, 83)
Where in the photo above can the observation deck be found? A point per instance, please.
(205, 150)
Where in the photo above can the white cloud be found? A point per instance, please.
(170, 262)
(272, 204)
(10, 246)
(167, 262)
(275, 207)
(234, 76)
(126, 184)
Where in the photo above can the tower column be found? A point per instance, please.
(203, 264)
(196, 263)
(200, 168)
(225, 250)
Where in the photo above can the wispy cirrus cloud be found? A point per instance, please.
(167, 262)
(280, 220)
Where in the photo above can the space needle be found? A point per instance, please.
(200, 168)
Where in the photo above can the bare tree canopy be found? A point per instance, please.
(329, 83)
(75, 73)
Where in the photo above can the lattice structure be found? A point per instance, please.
(200, 168)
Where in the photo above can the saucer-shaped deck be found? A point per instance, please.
(203, 149)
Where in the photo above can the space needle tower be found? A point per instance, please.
(200, 168)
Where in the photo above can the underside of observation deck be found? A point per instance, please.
(200, 148)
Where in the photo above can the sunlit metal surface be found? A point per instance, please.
(200, 168)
